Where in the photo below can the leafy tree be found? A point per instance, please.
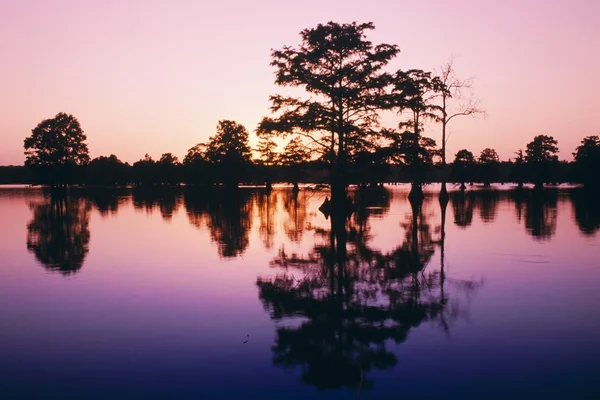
(168, 165)
(145, 171)
(196, 165)
(587, 161)
(540, 156)
(416, 90)
(229, 151)
(488, 164)
(294, 157)
(341, 71)
(415, 152)
(55, 146)
(294, 153)
(107, 171)
(462, 168)
(267, 150)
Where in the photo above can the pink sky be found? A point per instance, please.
(156, 76)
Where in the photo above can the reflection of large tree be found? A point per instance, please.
(227, 214)
(353, 299)
(59, 234)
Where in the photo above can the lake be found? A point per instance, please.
(173, 293)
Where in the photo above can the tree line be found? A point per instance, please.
(333, 130)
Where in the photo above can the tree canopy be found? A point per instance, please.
(341, 72)
(57, 141)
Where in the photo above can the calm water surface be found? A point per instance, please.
(175, 294)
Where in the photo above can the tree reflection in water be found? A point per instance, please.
(228, 216)
(353, 299)
(59, 233)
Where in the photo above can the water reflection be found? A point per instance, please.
(167, 200)
(59, 233)
(353, 299)
(541, 214)
(228, 217)
(587, 212)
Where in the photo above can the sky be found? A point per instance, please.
(156, 76)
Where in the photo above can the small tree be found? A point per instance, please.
(416, 90)
(294, 153)
(229, 152)
(462, 168)
(587, 161)
(266, 148)
(294, 156)
(488, 166)
(517, 172)
(196, 166)
(55, 147)
(540, 157)
(169, 168)
(107, 171)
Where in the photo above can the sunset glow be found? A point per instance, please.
(156, 76)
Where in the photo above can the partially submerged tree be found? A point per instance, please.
(540, 157)
(415, 90)
(587, 162)
(55, 146)
(488, 166)
(341, 71)
(229, 151)
(462, 168)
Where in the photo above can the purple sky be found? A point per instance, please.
(156, 76)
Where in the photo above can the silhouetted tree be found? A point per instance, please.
(294, 157)
(342, 73)
(416, 153)
(416, 90)
(169, 168)
(55, 148)
(145, 171)
(59, 233)
(198, 170)
(107, 171)
(466, 105)
(517, 172)
(229, 152)
(267, 150)
(462, 168)
(540, 157)
(487, 165)
(587, 161)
